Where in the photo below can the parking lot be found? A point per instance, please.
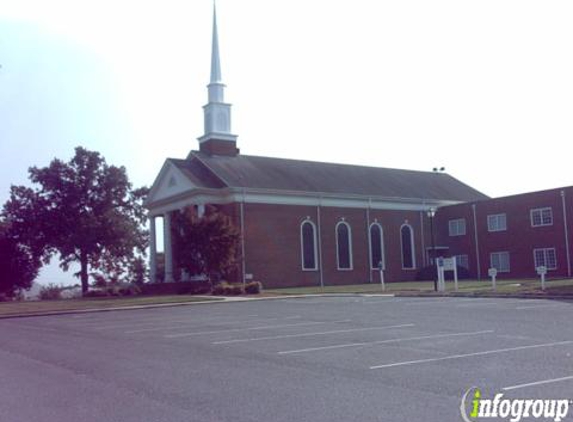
(350, 358)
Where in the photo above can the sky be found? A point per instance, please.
(482, 88)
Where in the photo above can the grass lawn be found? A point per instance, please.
(471, 287)
(47, 306)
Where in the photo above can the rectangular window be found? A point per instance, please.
(462, 261)
(541, 217)
(545, 257)
(457, 227)
(497, 222)
(499, 261)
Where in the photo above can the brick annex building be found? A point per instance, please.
(308, 223)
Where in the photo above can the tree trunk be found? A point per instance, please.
(84, 272)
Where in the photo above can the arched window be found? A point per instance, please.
(308, 245)
(408, 253)
(344, 246)
(377, 246)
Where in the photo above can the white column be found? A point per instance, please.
(152, 251)
(167, 248)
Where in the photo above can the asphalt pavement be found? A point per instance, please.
(317, 359)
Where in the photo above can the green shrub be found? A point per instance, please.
(219, 289)
(50, 292)
(253, 287)
(226, 289)
(129, 290)
(96, 293)
(235, 290)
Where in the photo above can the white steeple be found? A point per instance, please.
(217, 112)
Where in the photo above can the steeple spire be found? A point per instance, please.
(215, 59)
(218, 138)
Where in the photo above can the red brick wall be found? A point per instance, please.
(273, 248)
(273, 245)
(519, 239)
(391, 222)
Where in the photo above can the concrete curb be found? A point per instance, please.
(213, 300)
(490, 296)
(235, 299)
(119, 308)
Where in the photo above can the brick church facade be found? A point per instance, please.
(308, 223)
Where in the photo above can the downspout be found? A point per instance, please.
(566, 230)
(369, 240)
(477, 242)
(319, 244)
(424, 251)
(242, 207)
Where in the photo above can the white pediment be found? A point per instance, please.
(170, 182)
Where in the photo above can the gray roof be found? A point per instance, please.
(244, 171)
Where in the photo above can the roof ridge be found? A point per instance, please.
(329, 163)
(213, 172)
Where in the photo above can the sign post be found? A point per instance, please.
(443, 265)
(493, 274)
(451, 265)
(381, 268)
(440, 269)
(542, 271)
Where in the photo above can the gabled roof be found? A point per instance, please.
(198, 173)
(278, 174)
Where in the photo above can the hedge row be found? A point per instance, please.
(226, 289)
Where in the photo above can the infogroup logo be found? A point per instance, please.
(475, 408)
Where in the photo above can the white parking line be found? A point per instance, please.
(139, 323)
(467, 355)
(188, 326)
(263, 327)
(425, 302)
(547, 305)
(394, 340)
(471, 305)
(531, 384)
(351, 330)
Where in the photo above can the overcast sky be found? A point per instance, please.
(483, 88)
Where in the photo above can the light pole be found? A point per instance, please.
(431, 213)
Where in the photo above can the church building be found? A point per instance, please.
(306, 223)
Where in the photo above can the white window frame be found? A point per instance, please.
(460, 259)
(302, 246)
(540, 211)
(374, 265)
(413, 246)
(545, 252)
(499, 269)
(350, 257)
(494, 220)
(457, 227)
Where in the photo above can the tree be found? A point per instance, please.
(207, 245)
(85, 210)
(18, 265)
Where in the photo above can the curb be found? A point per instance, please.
(118, 308)
(233, 299)
(217, 300)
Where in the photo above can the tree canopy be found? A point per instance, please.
(208, 245)
(84, 210)
(18, 265)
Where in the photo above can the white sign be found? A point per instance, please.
(493, 274)
(449, 264)
(443, 265)
(542, 271)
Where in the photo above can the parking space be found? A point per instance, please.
(312, 359)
